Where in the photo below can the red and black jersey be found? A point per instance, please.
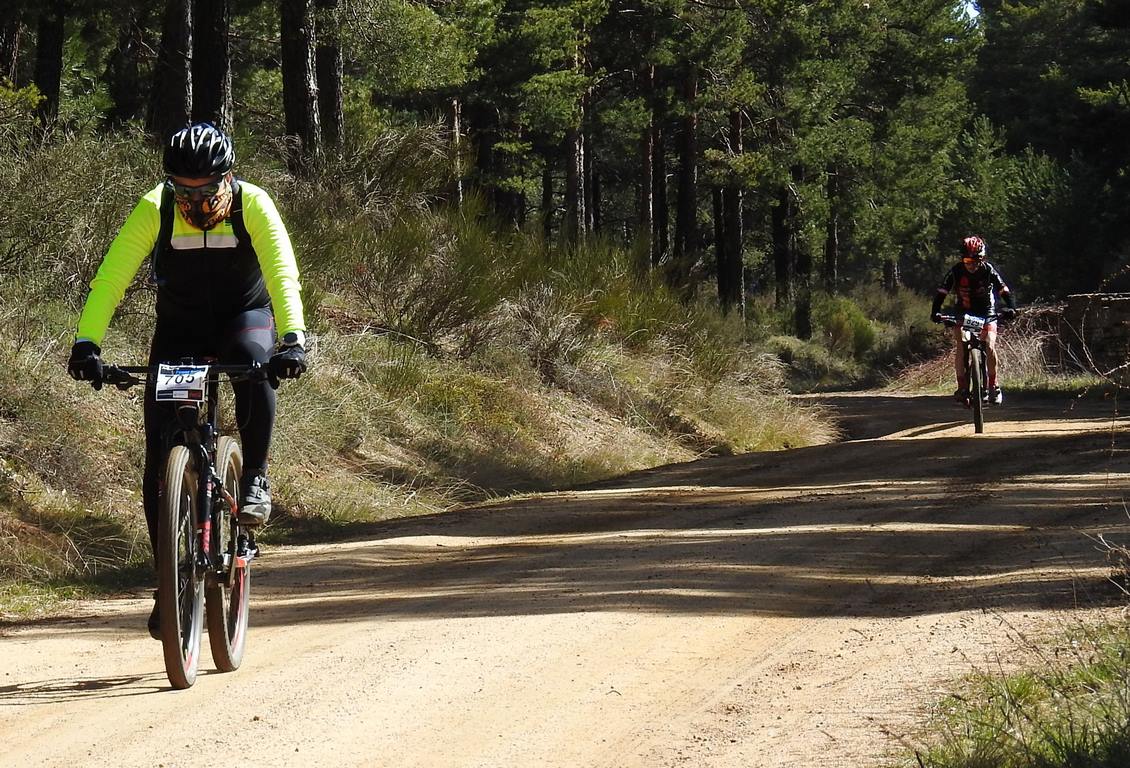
(975, 291)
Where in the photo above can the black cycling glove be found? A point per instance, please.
(936, 308)
(85, 363)
(288, 363)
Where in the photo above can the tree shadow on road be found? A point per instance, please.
(868, 415)
(883, 528)
(80, 689)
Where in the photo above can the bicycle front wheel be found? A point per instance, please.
(180, 595)
(228, 592)
(977, 389)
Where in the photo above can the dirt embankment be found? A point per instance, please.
(784, 609)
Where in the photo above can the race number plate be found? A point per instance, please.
(182, 383)
(973, 324)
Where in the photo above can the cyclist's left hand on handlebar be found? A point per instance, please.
(1008, 313)
(288, 363)
(85, 363)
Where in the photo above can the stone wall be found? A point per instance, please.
(1094, 332)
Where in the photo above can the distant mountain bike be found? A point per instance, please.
(203, 553)
(976, 368)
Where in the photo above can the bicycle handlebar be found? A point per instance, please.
(125, 376)
(951, 321)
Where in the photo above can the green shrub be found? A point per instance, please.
(844, 327)
(1071, 710)
(60, 214)
(17, 108)
(812, 366)
(554, 327)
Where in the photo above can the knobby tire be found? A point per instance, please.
(977, 389)
(180, 592)
(228, 600)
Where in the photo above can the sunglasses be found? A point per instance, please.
(204, 191)
(970, 259)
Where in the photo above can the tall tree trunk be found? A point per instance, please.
(891, 276)
(718, 218)
(596, 211)
(731, 274)
(574, 224)
(832, 233)
(802, 256)
(782, 250)
(576, 192)
(331, 102)
(211, 63)
(645, 237)
(171, 104)
(300, 87)
(661, 243)
(456, 112)
(547, 200)
(686, 202)
(482, 130)
(123, 73)
(728, 234)
(11, 29)
(590, 187)
(49, 57)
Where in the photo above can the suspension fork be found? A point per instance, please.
(967, 343)
(204, 505)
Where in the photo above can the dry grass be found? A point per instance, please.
(1068, 706)
(1026, 354)
(660, 393)
(452, 359)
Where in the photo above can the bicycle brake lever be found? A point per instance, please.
(119, 378)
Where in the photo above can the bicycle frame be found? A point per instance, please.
(975, 353)
(195, 428)
(203, 555)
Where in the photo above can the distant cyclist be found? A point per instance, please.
(976, 285)
(226, 279)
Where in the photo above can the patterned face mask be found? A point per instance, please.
(206, 206)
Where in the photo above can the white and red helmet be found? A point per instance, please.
(974, 247)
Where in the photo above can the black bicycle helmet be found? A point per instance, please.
(199, 151)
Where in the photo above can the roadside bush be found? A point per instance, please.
(438, 278)
(554, 327)
(844, 327)
(384, 174)
(1023, 349)
(55, 232)
(812, 366)
(1071, 709)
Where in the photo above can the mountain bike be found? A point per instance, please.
(203, 553)
(976, 367)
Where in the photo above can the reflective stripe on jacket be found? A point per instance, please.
(204, 274)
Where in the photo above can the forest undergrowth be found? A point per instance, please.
(451, 361)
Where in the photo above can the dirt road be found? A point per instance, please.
(783, 609)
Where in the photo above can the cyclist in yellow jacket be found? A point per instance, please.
(227, 287)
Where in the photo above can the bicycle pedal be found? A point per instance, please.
(245, 552)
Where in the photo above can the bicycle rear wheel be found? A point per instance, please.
(977, 389)
(180, 593)
(228, 593)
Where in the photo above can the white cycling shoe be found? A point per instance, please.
(254, 501)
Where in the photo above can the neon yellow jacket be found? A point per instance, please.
(137, 237)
